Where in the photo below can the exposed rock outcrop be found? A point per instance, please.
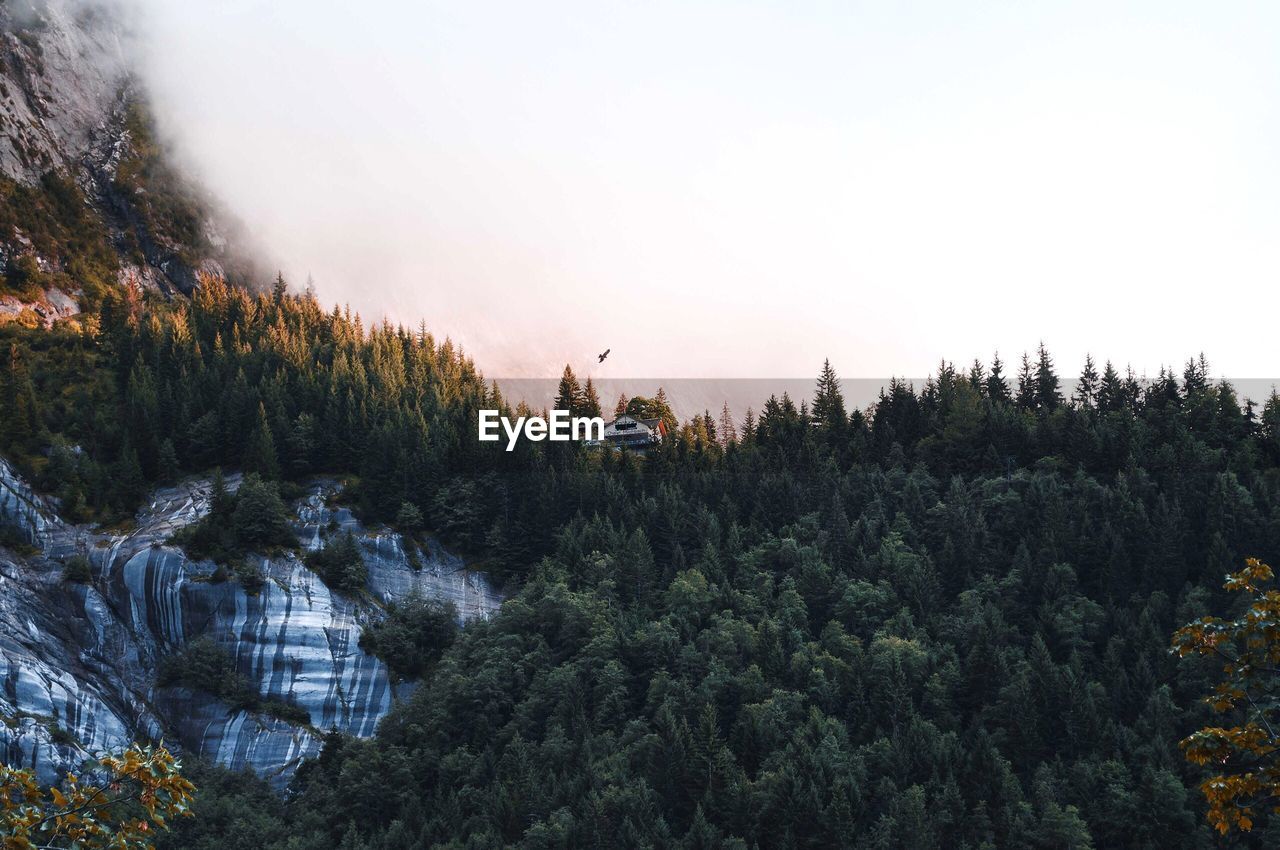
(78, 661)
(71, 107)
(44, 311)
(65, 68)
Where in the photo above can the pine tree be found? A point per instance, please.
(654, 408)
(1087, 389)
(220, 500)
(590, 405)
(260, 518)
(495, 400)
(1110, 390)
(19, 409)
(1269, 425)
(708, 428)
(1195, 378)
(728, 433)
(301, 444)
(409, 518)
(568, 393)
(129, 482)
(828, 402)
(168, 462)
(978, 377)
(1047, 396)
(260, 448)
(1026, 399)
(1132, 389)
(997, 388)
(660, 400)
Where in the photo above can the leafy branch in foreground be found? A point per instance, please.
(143, 789)
(1246, 753)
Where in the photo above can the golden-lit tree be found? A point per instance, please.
(1245, 756)
(120, 803)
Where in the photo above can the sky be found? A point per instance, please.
(744, 189)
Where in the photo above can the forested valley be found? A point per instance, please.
(941, 622)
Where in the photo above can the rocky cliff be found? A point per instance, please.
(78, 660)
(90, 198)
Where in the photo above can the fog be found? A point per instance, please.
(740, 190)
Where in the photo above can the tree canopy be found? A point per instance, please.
(941, 621)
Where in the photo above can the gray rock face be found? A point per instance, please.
(54, 305)
(78, 661)
(442, 575)
(67, 88)
(64, 72)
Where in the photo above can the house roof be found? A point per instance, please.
(632, 428)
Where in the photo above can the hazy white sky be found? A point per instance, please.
(741, 189)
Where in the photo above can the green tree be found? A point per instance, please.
(1110, 390)
(412, 635)
(1086, 393)
(167, 467)
(1047, 395)
(828, 402)
(260, 448)
(340, 564)
(640, 407)
(260, 518)
(590, 404)
(997, 387)
(409, 518)
(19, 408)
(568, 393)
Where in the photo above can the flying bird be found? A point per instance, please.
(606, 354)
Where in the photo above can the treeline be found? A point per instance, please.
(940, 622)
(945, 624)
(269, 384)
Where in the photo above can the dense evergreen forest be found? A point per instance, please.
(943, 622)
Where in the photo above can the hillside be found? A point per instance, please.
(905, 616)
(85, 653)
(132, 555)
(944, 623)
(90, 198)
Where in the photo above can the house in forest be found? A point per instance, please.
(634, 434)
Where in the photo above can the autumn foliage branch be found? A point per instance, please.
(1247, 781)
(128, 798)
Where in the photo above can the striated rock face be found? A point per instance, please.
(442, 574)
(78, 661)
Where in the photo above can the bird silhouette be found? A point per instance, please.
(606, 354)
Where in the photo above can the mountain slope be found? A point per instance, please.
(79, 659)
(95, 216)
(90, 197)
